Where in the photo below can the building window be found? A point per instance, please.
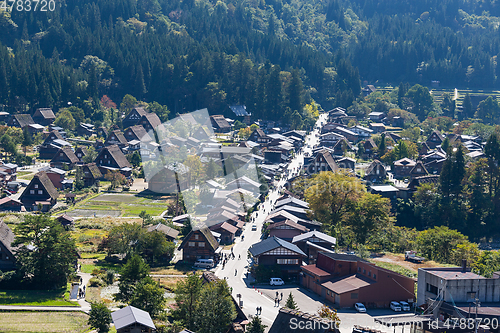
(36, 185)
(192, 244)
(287, 261)
(328, 292)
(374, 275)
(196, 236)
(32, 191)
(364, 271)
(369, 273)
(359, 269)
(471, 295)
(432, 289)
(61, 154)
(40, 191)
(354, 295)
(201, 244)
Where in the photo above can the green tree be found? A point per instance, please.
(216, 309)
(149, 296)
(46, 252)
(155, 248)
(65, 120)
(256, 326)
(187, 298)
(134, 159)
(438, 243)
(99, 317)
(8, 145)
(79, 183)
(329, 314)
(448, 106)
(488, 110)
(446, 144)
(133, 271)
(91, 155)
(27, 140)
(128, 102)
(77, 113)
(331, 197)
(382, 146)
(421, 99)
(487, 263)
(370, 212)
(116, 178)
(467, 107)
(290, 302)
(161, 111)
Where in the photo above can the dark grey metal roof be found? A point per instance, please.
(316, 234)
(130, 315)
(272, 243)
(239, 110)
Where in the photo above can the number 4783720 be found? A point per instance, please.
(28, 5)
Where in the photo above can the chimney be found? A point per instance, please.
(464, 265)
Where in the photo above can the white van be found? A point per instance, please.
(276, 282)
(204, 263)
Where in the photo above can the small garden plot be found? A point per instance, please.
(57, 322)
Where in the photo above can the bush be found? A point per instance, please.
(109, 277)
(96, 282)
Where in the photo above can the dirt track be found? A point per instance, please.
(399, 259)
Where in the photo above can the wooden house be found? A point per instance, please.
(418, 170)
(170, 233)
(44, 116)
(227, 232)
(314, 242)
(34, 129)
(260, 137)
(91, 174)
(150, 121)
(116, 138)
(112, 158)
(199, 244)
(81, 152)
(102, 132)
(65, 220)
(136, 132)
(435, 139)
(346, 163)
(7, 250)
(220, 124)
(286, 230)
(53, 142)
(276, 251)
(323, 161)
(403, 167)
(10, 204)
(171, 179)
(55, 175)
(376, 172)
(84, 129)
(64, 158)
(39, 192)
(133, 117)
(20, 120)
(370, 147)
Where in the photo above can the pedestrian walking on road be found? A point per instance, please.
(260, 309)
(281, 296)
(235, 272)
(239, 256)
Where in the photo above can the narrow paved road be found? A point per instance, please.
(236, 269)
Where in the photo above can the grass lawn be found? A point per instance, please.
(177, 269)
(88, 265)
(397, 268)
(66, 322)
(23, 173)
(36, 297)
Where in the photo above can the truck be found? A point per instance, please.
(412, 256)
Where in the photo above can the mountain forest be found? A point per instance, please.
(273, 56)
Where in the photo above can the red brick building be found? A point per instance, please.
(346, 279)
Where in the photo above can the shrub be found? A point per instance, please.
(96, 282)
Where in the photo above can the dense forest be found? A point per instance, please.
(273, 56)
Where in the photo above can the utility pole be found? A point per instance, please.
(477, 304)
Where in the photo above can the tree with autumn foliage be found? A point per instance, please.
(329, 314)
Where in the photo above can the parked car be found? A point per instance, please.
(395, 306)
(204, 263)
(360, 307)
(405, 306)
(254, 227)
(276, 282)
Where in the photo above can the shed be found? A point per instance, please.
(131, 319)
